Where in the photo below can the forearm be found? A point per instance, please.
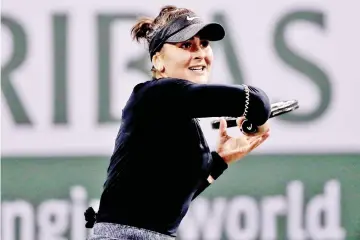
(226, 100)
(209, 100)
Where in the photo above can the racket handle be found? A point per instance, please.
(230, 122)
(248, 127)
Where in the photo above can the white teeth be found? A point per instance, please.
(197, 68)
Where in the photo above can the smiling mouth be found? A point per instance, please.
(197, 69)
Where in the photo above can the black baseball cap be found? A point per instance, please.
(183, 28)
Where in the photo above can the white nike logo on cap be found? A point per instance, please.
(191, 18)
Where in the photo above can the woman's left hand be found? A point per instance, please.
(232, 149)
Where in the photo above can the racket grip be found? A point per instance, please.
(248, 127)
(231, 122)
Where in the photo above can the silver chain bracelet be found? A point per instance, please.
(247, 99)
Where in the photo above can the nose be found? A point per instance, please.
(199, 53)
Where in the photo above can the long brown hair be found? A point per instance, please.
(145, 27)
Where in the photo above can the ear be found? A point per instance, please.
(157, 61)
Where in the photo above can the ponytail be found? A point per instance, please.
(142, 29)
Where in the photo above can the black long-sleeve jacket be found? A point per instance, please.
(161, 160)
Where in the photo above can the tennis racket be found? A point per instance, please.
(277, 109)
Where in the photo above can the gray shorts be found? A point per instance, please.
(112, 231)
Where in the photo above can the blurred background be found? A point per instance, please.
(69, 66)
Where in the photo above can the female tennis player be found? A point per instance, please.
(161, 160)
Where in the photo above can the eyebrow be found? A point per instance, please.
(201, 39)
